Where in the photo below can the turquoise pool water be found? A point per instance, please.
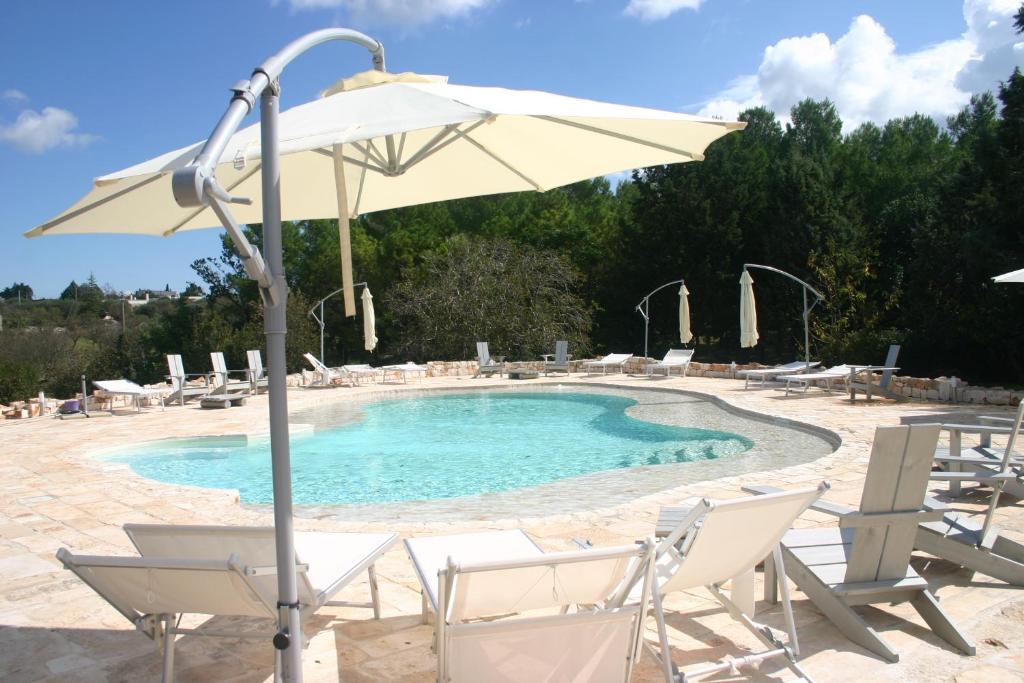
(440, 446)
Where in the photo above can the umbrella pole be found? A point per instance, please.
(288, 639)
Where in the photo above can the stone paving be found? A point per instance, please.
(54, 494)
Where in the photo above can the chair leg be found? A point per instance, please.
(665, 659)
(837, 611)
(928, 607)
(374, 594)
(167, 675)
(771, 581)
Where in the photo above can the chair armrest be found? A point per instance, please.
(981, 477)
(975, 429)
(837, 509)
(995, 418)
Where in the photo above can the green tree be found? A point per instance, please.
(17, 291)
(520, 299)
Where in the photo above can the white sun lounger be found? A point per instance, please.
(326, 376)
(403, 370)
(806, 379)
(470, 577)
(763, 375)
(124, 387)
(675, 358)
(612, 360)
(362, 371)
(221, 571)
(720, 541)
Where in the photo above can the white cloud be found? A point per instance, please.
(407, 13)
(12, 95)
(656, 10)
(36, 132)
(869, 80)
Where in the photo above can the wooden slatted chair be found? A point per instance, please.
(866, 560)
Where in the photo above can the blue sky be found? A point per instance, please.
(89, 88)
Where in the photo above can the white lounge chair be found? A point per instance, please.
(763, 375)
(403, 370)
(612, 360)
(469, 577)
(326, 376)
(720, 541)
(221, 571)
(675, 358)
(866, 559)
(257, 375)
(806, 379)
(559, 360)
(486, 365)
(124, 387)
(179, 379)
(361, 372)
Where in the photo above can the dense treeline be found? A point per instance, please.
(900, 226)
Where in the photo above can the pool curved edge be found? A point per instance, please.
(604, 490)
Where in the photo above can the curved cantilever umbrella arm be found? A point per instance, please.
(807, 309)
(196, 184)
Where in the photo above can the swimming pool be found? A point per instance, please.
(440, 446)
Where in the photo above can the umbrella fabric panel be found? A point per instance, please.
(1015, 276)
(531, 148)
(748, 312)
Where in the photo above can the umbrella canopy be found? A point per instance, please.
(369, 321)
(748, 312)
(446, 142)
(685, 335)
(1015, 276)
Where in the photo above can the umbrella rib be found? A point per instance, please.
(359, 195)
(256, 167)
(435, 144)
(621, 136)
(401, 147)
(371, 152)
(501, 161)
(78, 212)
(351, 160)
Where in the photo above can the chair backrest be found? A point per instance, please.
(616, 358)
(176, 371)
(315, 362)
(837, 370)
(138, 586)
(896, 486)
(255, 361)
(255, 544)
(483, 355)
(799, 365)
(561, 352)
(220, 367)
(594, 645)
(890, 361)
(728, 537)
(678, 356)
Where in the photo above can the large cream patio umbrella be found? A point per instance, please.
(748, 312)
(377, 141)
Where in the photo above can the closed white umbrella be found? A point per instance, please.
(685, 335)
(748, 312)
(383, 141)
(1015, 276)
(369, 321)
